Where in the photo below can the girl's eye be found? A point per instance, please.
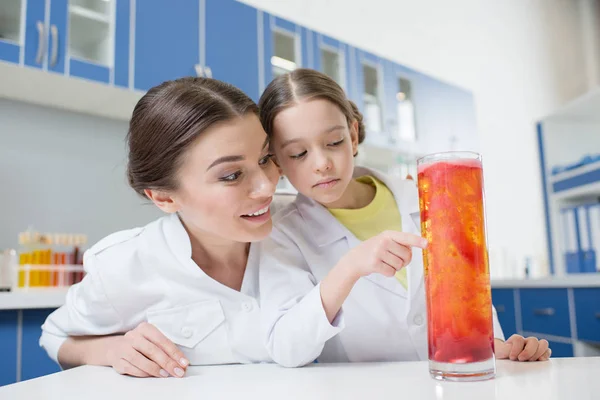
(265, 159)
(231, 177)
(336, 143)
(299, 155)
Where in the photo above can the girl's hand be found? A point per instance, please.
(384, 254)
(518, 348)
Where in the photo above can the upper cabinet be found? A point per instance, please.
(370, 96)
(284, 47)
(137, 44)
(12, 28)
(166, 41)
(80, 38)
(227, 54)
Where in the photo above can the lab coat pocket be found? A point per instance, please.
(198, 328)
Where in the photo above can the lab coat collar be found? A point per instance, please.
(177, 239)
(180, 245)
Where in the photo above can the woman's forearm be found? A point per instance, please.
(87, 350)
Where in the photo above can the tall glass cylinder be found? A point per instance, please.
(457, 278)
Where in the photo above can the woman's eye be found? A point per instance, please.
(231, 177)
(299, 155)
(337, 143)
(265, 159)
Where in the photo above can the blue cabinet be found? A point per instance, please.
(67, 38)
(34, 360)
(232, 54)
(122, 45)
(8, 346)
(370, 95)
(11, 15)
(328, 55)
(504, 302)
(166, 41)
(284, 47)
(35, 34)
(57, 37)
(560, 349)
(587, 314)
(546, 311)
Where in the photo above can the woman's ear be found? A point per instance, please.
(162, 200)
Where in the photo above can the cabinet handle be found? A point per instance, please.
(41, 42)
(54, 55)
(203, 72)
(500, 308)
(544, 311)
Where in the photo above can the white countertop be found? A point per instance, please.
(54, 298)
(569, 281)
(566, 378)
(32, 298)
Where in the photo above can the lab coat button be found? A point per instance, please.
(418, 320)
(186, 332)
(247, 307)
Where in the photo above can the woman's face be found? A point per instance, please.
(227, 181)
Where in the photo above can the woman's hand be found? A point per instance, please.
(144, 352)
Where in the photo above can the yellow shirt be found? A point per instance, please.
(379, 215)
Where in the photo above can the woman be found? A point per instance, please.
(183, 289)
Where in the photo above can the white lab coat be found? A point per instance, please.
(147, 274)
(379, 321)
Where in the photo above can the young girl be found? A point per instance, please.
(349, 232)
(183, 289)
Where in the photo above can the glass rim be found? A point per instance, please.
(449, 155)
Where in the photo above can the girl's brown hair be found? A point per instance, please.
(305, 84)
(168, 119)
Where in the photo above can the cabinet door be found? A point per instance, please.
(91, 39)
(561, 349)
(504, 302)
(11, 21)
(122, 45)
(282, 47)
(371, 96)
(8, 346)
(545, 311)
(329, 57)
(57, 36)
(35, 34)
(34, 360)
(232, 54)
(166, 41)
(587, 312)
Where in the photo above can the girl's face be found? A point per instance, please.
(226, 182)
(315, 149)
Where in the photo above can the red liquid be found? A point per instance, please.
(459, 308)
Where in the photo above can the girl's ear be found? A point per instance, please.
(354, 137)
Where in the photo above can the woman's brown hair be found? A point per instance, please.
(305, 84)
(168, 119)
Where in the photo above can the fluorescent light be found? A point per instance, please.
(283, 63)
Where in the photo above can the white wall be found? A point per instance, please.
(64, 172)
(520, 58)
